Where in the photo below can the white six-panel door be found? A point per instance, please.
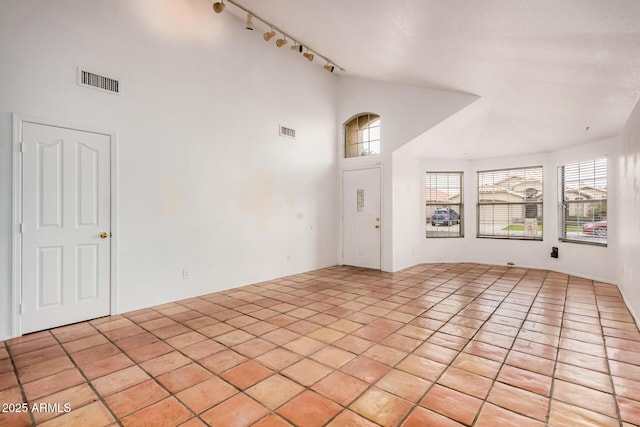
(361, 225)
(65, 226)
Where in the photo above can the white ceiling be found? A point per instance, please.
(547, 69)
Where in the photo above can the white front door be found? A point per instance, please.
(361, 218)
(65, 208)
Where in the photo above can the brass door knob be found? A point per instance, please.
(104, 235)
(377, 226)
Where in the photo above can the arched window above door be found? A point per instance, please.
(362, 135)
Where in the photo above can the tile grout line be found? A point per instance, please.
(308, 356)
(325, 345)
(495, 378)
(435, 381)
(138, 364)
(87, 381)
(357, 355)
(361, 285)
(606, 356)
(274, 372)
(239, 391)
(20, 384)
(555, 360)
(196, 361)
(370, 385)
(503, 363)
(154, 378)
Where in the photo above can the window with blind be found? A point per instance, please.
(510, 203)
(583, 202)
(443, 195)
(362, 135)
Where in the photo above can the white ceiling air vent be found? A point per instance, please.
(96, 81)
(287, 132)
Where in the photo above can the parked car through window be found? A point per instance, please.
(445, 216)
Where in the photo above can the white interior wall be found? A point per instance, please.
(591, 261)
(207, 185)
(405, 113)
(205, 182)
(628, 209)
(446, 143)
(406, 211)
(594, 262)
(448, 249)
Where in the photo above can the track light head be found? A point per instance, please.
(269, 35)
(249, 23)
(218, 6)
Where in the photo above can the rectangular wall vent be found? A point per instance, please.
(96, 81)
(287, 132)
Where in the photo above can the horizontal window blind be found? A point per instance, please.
(582, 215)
(444, 204)
(510, 203)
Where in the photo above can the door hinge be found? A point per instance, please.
(21, 308)
(21, 228)
(22, 147)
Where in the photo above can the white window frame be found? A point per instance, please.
(523, 203)
(364, 135)
(582, 192)
(447, 188)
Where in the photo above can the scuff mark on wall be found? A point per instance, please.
(260, 199)
(636, 184)
(177, 20)
(171, 197)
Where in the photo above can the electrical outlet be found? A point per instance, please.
(185, 274)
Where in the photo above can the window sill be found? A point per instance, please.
(583, 242)
(534, 239)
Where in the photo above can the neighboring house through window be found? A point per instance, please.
(510, 203)
(444, 207)
(583, 202)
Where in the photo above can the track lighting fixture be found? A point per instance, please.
(281, 42)
(218, 6)
(308, 55)
(269, 35)
(296, 46)
(249, 23)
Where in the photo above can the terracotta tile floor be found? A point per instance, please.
(433, 345)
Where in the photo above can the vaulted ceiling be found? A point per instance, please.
(552, 73)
